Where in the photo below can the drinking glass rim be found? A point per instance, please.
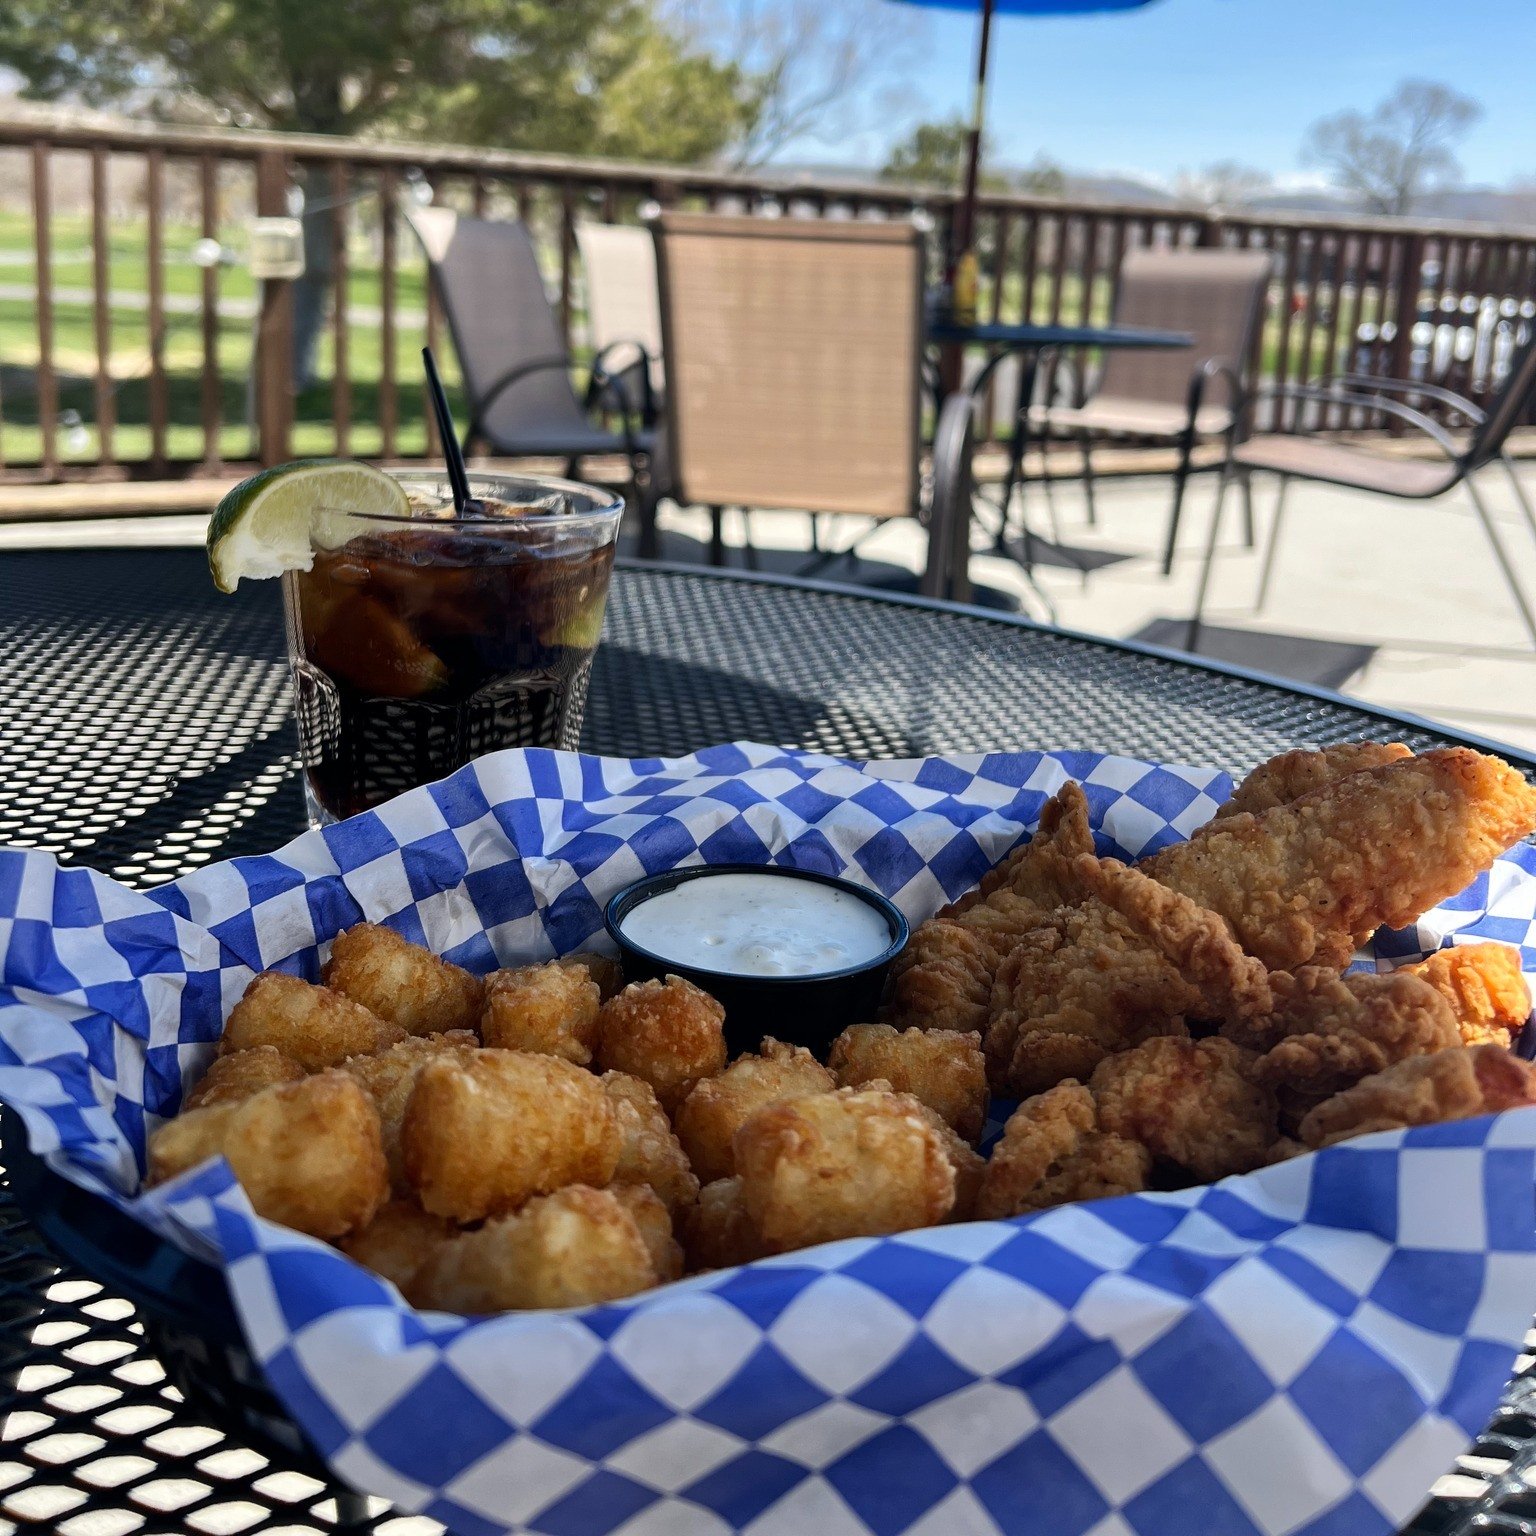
(610, 507)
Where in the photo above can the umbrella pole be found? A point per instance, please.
(965, 221)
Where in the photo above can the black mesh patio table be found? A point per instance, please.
(145, 729)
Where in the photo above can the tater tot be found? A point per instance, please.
(655, 1226)
(397, 1242)
(667, 1032)
(716, 1108)
(550, 1008)
(969, 1165)
(308, 1154)
(403, 982)
(942, 1067)
(717, 1231)
(314, 1026)
(649, 1153)
(482, 1135)
(605, 970)
(855, 1163)
(569, 1249)
(390, 1076)
(229, 1079)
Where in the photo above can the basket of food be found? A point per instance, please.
(759, 1140)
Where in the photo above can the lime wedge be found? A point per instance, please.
(274, 521)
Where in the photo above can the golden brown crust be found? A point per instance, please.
(854, 1163)
(669, 1033)
(649, 1152)
(403, 982)
(568, 1249)
(605, 970)
(716, 1108)
(551, 1009)
(234, 1077)
(1053, 1152)
(1291, 775)
(717, 1231)
(398, 1242)
(655, 1226)
(1303, 883)
(1191, 1103)
(941, 1067)
(1485, 988)
(483, 1135)
(316, 1027)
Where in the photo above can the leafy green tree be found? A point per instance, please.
(934, 154)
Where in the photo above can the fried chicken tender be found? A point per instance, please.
(571, 1248)
(717, 1231)
(855, 1163)
(1191, 1103)
(605, 970)
(1054, 1150)
(389, 1077)
(1485, 988)
(941, 1067)
(481, 1136)
(308, 1154)
(943, 978)
(547, 1008)
(1293, 774)
(398, 1242)
(1306, 883)
(654, 1223)
(1424, 1090)
(229, 1079)
(649, 1152)
(1328, 1031)
(403, 982)
(716, 1108)
(667, 1032)
(313, 1026)
(1127, 965)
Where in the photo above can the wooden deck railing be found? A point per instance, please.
(122, 354)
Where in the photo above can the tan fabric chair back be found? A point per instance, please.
(619, 261)
(1217, 296)
(792, 350)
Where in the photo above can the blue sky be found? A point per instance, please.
(1184, 82)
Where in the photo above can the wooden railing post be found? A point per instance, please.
(1406, 314)
(47, 382)
(274, 326)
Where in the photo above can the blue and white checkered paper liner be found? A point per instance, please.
(1301, 1350)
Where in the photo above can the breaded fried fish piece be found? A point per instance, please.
(1305, 883)
(483, 1135)
(307, 1154)
(941, 1067)
(708, 1119)
(1293, 774)
(229, 1079)
(316, 1027)
(1424, 1090)
(571, 1248)
(855, 1163)
(668, 1033)
(398, 1242)
(548, 1008)
(1485, 988)
(1191, 1103)
(403, 982)
(1054, 1151)
(649, 1152)
(943, 978)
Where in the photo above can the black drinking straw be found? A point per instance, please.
(458, 479)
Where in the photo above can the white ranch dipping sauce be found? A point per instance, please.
(758, 925)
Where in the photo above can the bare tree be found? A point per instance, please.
(1221, 184)
(1401, 149)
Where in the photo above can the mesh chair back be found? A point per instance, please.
(622, 304)
(1505, 409)
(1216, 296)
(792, 350)
(487, 279)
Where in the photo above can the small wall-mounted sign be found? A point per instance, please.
(277, 249)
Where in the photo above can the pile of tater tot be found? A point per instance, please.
(548, 1137)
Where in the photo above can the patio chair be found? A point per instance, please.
(793, 351)
(516, 366)
(623, 311)
(1218, 297)
(1304, 457)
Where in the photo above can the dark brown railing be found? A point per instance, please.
(122, 356)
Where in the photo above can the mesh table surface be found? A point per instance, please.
(145, 729)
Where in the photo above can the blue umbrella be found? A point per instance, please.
(965, 222)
